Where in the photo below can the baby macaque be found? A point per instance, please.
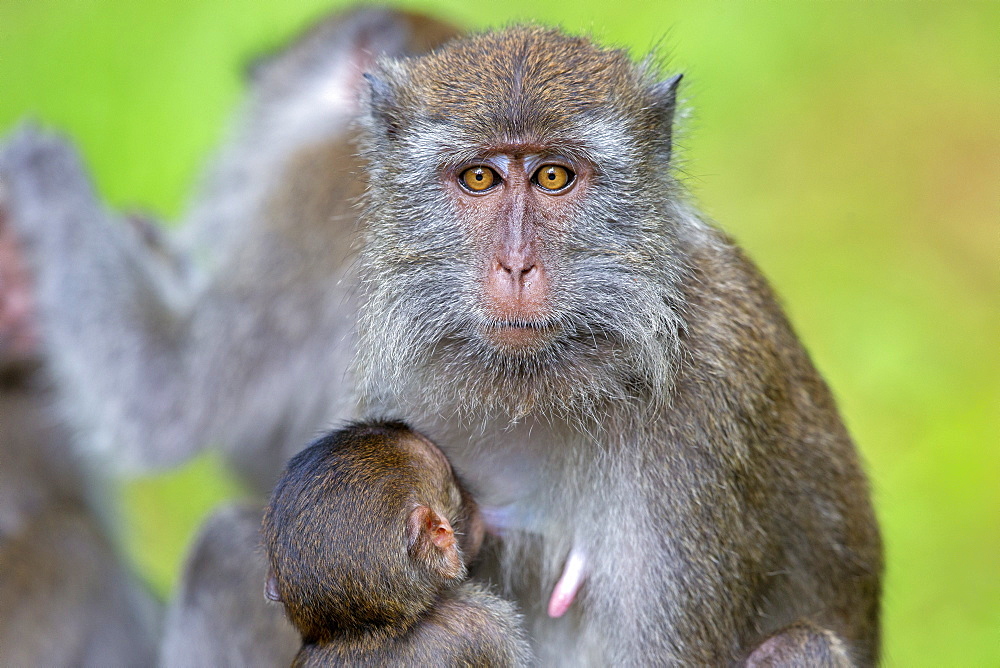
(368, 533)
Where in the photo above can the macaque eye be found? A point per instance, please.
(479, 179)
(553, 177)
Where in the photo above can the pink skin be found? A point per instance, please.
(573, 575)
(19, 336)
(499, 520)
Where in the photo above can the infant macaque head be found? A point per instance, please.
(364, 529)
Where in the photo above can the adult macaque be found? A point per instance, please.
(67, 597)
(612, 375)
(368, 534)
(615, 380)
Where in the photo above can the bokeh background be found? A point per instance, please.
(852, 148)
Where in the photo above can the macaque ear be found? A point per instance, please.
(664, 105)
(383, 105)
(432, 543)
(271, 587)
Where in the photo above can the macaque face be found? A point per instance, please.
(518, 203)
(516, 244)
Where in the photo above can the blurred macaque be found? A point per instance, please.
(232, 331)
(218, 616)
(368, 534)
(236, 330)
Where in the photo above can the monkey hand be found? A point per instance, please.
(42, 182)
(574, 572)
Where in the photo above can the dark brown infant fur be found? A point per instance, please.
(367, 535)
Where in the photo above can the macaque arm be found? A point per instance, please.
(111, 306)
(154, 361)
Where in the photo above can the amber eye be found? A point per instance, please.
(553, 177)
(478, 179)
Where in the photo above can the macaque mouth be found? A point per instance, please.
(519, 334)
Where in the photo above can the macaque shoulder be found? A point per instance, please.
(736, 332)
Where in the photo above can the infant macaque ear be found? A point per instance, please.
(271, 587)
(432, 543)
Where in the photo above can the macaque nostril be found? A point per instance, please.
(531, 277)
(515, 268)
(517, 275)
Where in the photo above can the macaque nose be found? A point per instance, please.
(516, 284)
(518, 272)
(517, 276)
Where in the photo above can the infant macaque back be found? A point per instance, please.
(368, 533)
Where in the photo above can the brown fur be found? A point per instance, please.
(801, 644)
(361, 538)
(649, 394)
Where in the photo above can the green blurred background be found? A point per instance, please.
(853, 149)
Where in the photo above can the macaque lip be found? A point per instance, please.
(519, 336)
